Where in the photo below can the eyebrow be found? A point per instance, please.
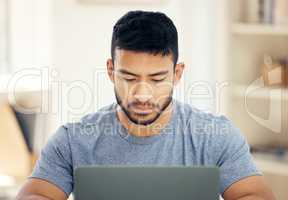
(123, 71)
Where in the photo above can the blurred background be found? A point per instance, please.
(53, 70)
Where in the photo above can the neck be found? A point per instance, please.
(148, 130)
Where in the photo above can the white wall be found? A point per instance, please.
(73, 39)
(3, 36)
(29, 34)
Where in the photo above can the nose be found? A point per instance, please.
(143, 92)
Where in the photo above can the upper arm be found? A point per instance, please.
(34, 186)
(234, 158)
(54, 165)
(253, 185)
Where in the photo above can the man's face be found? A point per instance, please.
(143, 84)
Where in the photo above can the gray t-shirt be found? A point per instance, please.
(191, 138)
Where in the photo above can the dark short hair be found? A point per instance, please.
(143, 31)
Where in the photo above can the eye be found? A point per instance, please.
(158, 80)
(129, 79)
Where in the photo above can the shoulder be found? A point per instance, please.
(202, 122)
(91, 122)
(98, 117)
(71, 133)
(216, 131)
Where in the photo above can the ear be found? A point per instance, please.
(179, 68)
(110, 69)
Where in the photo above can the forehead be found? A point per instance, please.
(142, 63)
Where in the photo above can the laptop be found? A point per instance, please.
(146, 183)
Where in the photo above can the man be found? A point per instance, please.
(146, 126)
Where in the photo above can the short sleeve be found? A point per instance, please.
(55, 162)
(235, 161)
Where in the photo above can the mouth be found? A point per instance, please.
(142, 110)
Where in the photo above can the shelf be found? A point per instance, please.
(270, 164)
(273, 93)
(259, 29)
